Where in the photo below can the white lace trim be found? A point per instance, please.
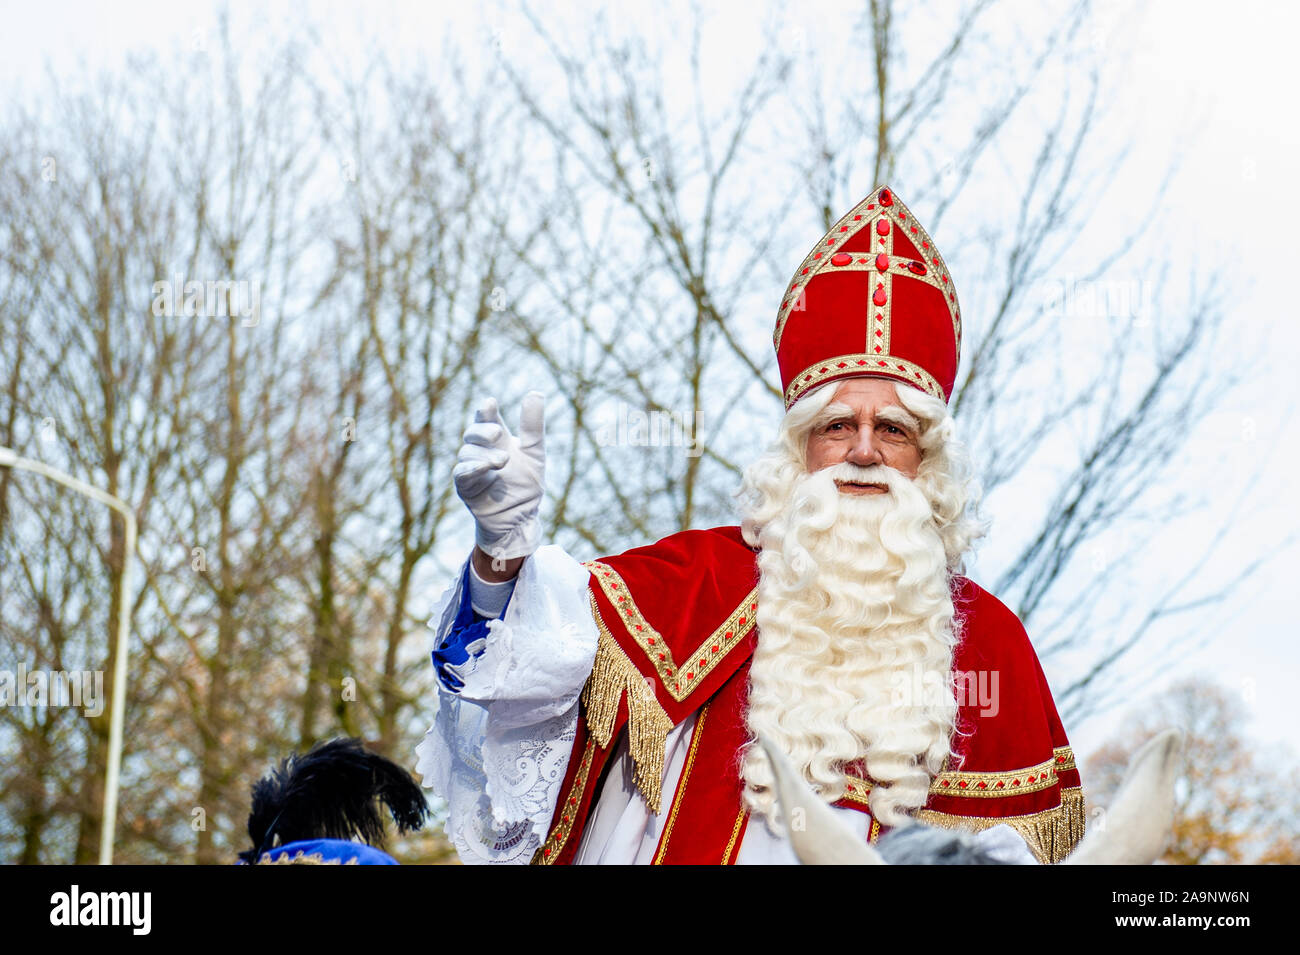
(498, 749)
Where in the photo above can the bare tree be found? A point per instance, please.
(647, 292)
(1234, 805)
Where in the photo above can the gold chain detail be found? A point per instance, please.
(696, 736)
(735, 833)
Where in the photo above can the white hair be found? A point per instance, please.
(854, 601)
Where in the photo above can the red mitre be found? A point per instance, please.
(872, 298)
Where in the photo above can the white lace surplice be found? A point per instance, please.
(498, 749)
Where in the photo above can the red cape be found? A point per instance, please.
(676, 625)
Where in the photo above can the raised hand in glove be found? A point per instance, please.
(499, 477)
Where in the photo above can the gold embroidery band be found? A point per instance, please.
(649, 639)
(1013, 782)
(985, 785)
(554, 845)
(677, 681)
(856, 790)
(864, 364)
(1064, 757)
(302, 857)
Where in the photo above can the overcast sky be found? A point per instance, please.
(1215, 79)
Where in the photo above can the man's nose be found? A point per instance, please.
(864, 452)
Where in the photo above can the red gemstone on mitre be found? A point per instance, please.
(880, 298)
(885, 198)
(917, 267)
(841, 258)
(882, 227)
(882, 262)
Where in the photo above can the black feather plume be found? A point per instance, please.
(334, 792)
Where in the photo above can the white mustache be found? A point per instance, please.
(853, 473)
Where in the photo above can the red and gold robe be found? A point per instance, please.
(676, 633)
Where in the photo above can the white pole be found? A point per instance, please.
(8, 458)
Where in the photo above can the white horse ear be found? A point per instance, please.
(1138, 823)
(817, 836)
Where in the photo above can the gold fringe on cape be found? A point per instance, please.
(1051, 834)
(613, 678)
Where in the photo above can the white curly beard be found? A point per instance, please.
(853, 602)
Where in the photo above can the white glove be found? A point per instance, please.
(499, 477)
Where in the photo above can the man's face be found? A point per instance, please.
(875, 430)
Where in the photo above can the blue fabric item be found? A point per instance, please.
(465, 629)
(329, 852)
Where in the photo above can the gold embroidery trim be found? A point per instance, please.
(856, 790)
(613, 678)
(302, 857)
(1051, 834)
(864, 364)
(677, 681)
(696, 736)
(985, 785)
(1064, 757)
(950, 783)
(551, 848)
(647, 637)
(879, 316)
